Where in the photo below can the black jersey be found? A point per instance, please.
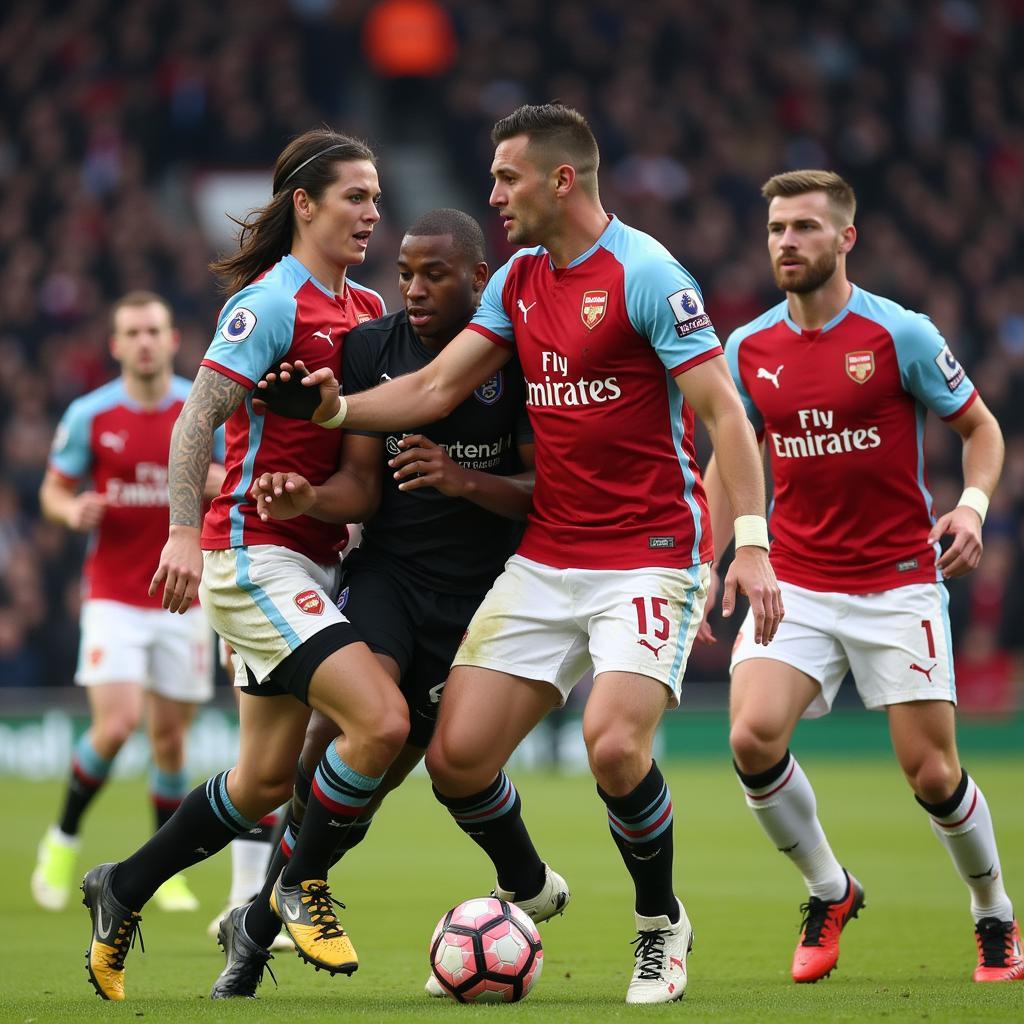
(447, 544)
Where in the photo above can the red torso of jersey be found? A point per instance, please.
(842, 413)
(283, 316)
(124, 450)
(617, 485)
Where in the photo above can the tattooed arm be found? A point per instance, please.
(211, 401)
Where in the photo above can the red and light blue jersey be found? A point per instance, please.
(601, 342)
(285, 315)
(842, 412)
(106, 436)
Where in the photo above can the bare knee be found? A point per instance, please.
(168, 746)
(256, 793)
(619, 760)
(110, 733)
(756, 747)
(934, 777)
(456, 769)
(380, 741)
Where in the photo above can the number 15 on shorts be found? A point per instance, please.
(652, 623)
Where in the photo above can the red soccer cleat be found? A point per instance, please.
(817, 953)
(1000, 957)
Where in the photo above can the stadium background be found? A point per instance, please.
(128, 128)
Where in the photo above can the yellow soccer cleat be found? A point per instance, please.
(114, 928)
(308, 916)
(174, 896)
(55, 868)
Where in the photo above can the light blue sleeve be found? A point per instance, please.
(71, 451)
(928, 369)
(492, 315)
(732, 357)
(665, 305)
(254, 332)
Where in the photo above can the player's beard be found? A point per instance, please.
(812, 276)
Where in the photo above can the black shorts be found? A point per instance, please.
(292, 676)
(421, 629)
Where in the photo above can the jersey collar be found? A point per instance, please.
(841, 315)
(613, 223)
(297, 263)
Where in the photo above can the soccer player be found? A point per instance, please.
(134, 665)
(449, 516)
(270, 588)
(838, 383)
(618, 356)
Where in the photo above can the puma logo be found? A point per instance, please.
(524, 309)
(926, 672)
(202, 851)
(763, 374)
(991, 869)
(337, 824)
(648, 856)
(656, 651)
(676, 962)
(327, 336)
(789, 849)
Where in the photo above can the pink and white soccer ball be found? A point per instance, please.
(486, 951)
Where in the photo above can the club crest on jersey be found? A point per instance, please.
(491, 390)
(309, 602)
(239, 325)
(860, 366)
(363, 318)
(595, 305)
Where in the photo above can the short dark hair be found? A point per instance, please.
(841, 197)
(467, 237)
(558, 132)
(139, 298)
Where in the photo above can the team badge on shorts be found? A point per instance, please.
(239, 325)
(595, 305)
(491, 390)
(309, 602)
(343, 599)
(860, 366)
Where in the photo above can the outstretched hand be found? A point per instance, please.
(298, 393)
(751, 573)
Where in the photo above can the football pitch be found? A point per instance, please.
(908, 957)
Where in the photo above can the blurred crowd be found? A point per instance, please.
(112, 112)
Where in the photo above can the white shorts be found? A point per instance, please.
(172, 655)
(266, 601)
(896, 643)
(554, 624)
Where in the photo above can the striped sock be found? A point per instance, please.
(338, 796)
(166, 791)
(963, 825)
(641, 825)
(493, 819)
(88, 773)
(205, 823)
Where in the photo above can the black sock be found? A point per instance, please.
(205, 823)
(641, 825)
(88, 774)
(338, 796)
(493, 819)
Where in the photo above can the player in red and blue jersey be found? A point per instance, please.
(618, 356)
(115, 440)
(838, 384)
(270, 589)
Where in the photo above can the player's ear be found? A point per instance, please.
(480, 274)
(564, 176)
(302, 205)
(847, 238)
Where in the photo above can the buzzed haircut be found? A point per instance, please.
(840, 193)
(138, 298)
(467, 237)
(558, 133)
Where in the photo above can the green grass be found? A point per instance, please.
(909, 957)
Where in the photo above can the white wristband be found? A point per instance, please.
(751, 531)
(976, 498)
(338, 418)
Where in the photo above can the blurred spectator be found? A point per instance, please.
(111, 111)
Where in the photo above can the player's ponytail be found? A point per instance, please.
(309, 162)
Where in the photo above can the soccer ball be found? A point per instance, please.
(486, 951)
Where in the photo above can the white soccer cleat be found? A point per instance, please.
(552, 899)
(433, 987)
(661, 951)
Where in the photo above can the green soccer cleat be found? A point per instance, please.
(174, 896)
(55, 869)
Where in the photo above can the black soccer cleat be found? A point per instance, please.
(246, 960)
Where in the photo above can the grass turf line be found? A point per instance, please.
(908, 957)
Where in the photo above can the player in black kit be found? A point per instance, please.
(450, 514)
